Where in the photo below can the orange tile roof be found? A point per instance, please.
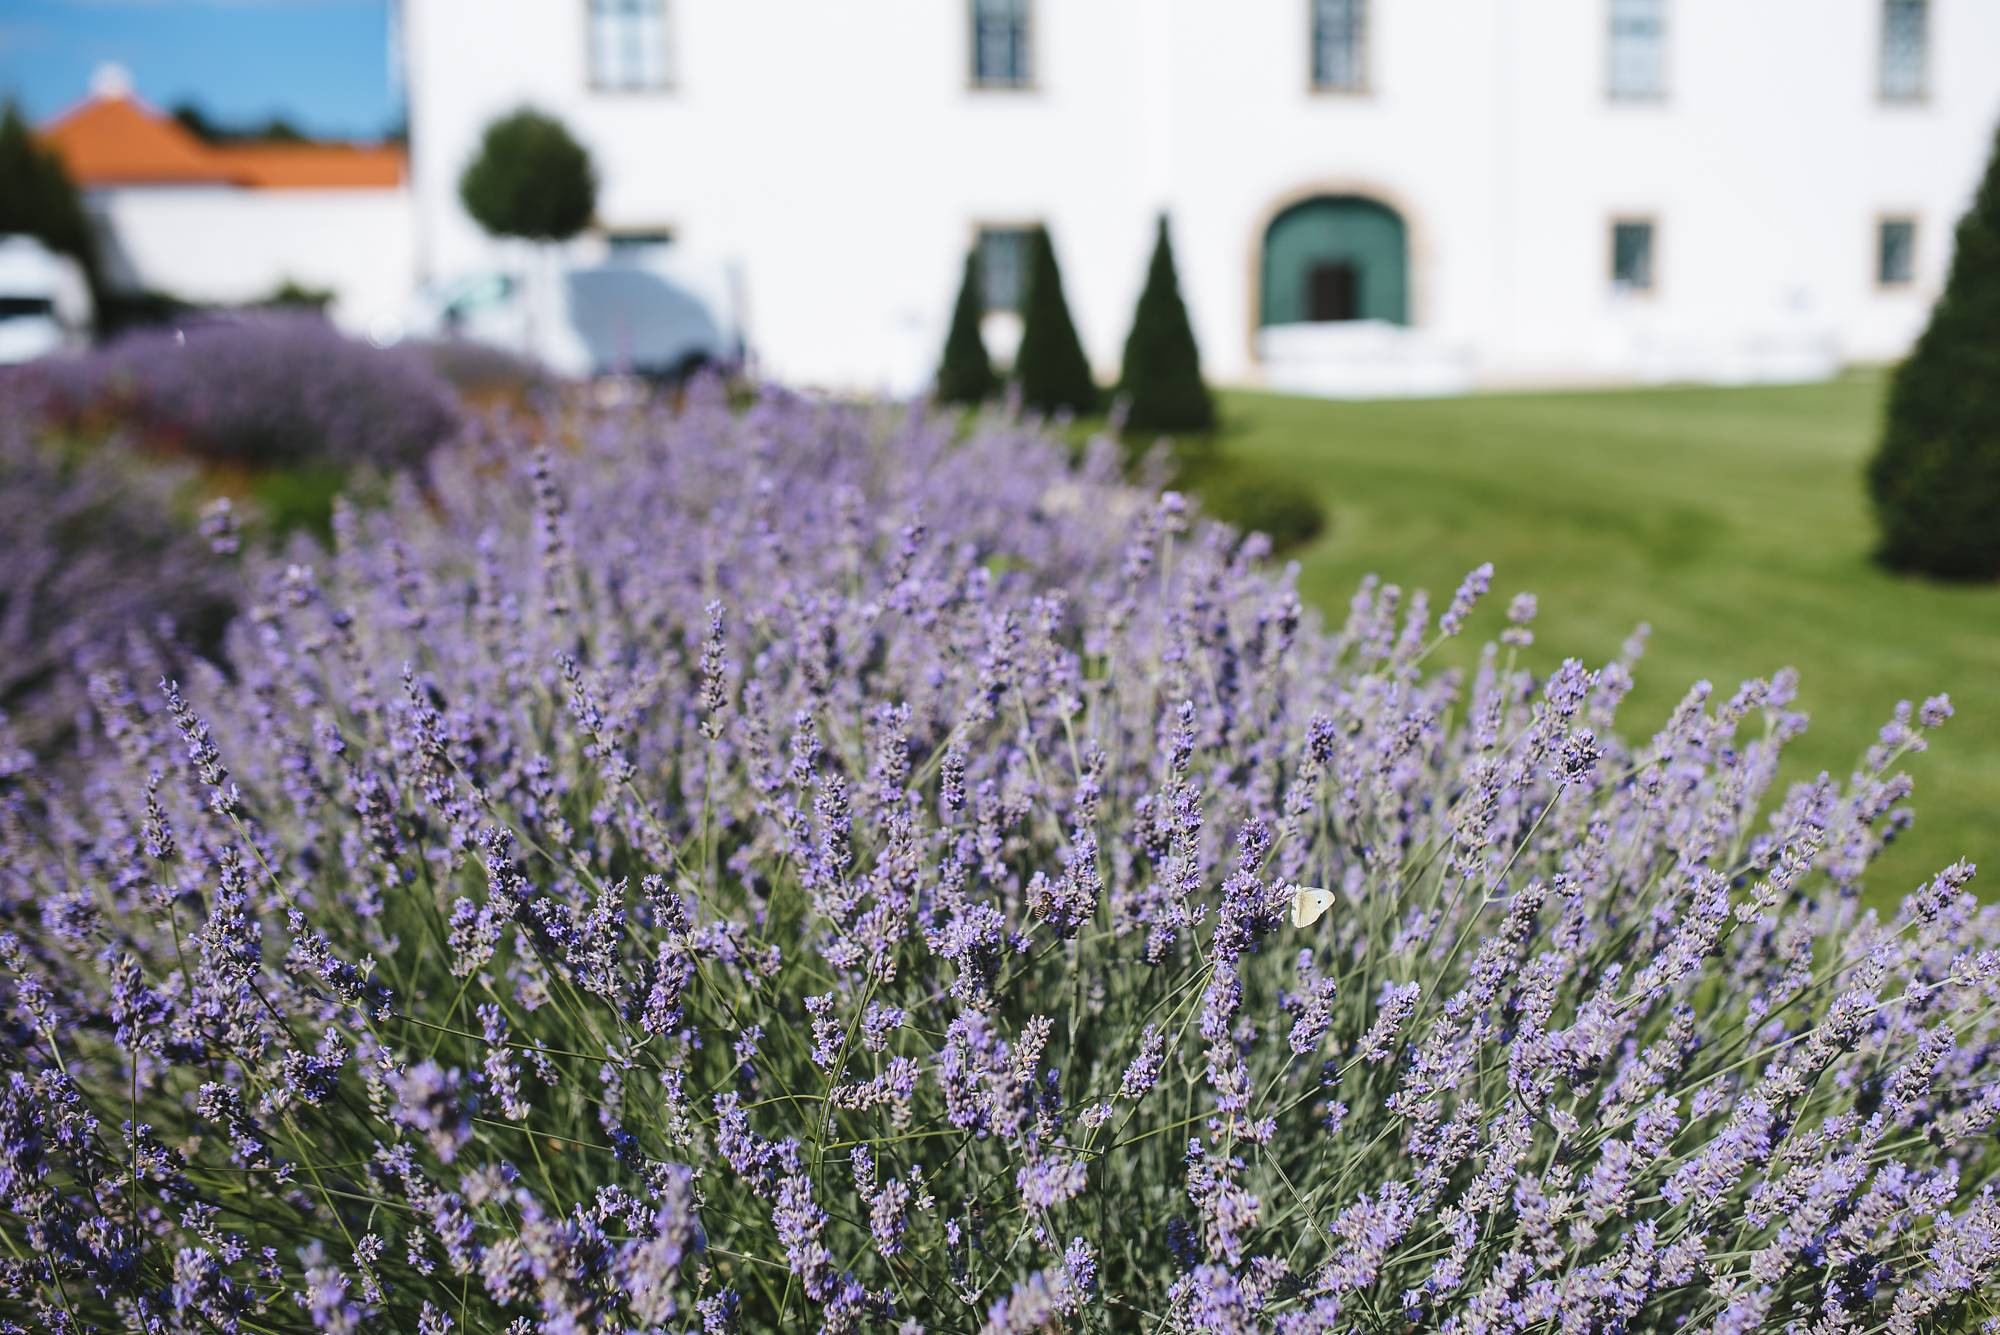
(116, 141)
(314, 166)
(120, 141)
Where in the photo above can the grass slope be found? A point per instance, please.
(1733, 520)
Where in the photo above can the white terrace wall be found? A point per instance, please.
(226, 245)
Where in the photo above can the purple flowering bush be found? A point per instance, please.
(100, 562)
(276, 388)
(791, 870)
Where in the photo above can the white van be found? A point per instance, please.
(45, 303)
(649, 314)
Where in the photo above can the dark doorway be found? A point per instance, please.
(1335, 258)
(1333, 291)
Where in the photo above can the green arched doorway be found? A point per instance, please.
(1336, 257)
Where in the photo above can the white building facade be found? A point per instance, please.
(228, 224)
(228, 246)
(1366, 196)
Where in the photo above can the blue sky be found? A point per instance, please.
(323, 64)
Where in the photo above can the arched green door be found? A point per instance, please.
(1336, 258)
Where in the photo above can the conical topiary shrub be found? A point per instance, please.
(966, 373)
(1050, 365)
(1936, 478)
(1162, 382)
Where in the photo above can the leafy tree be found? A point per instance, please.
(530, 179)
(1162, 381)
(966, 374)
(1050, 365)
(38, 199)
(196, 122)
(275, 129)
(1936, 476)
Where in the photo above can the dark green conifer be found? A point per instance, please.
(1050, 366)
(966, 373)
(38, 199)
(1162, 382)
(1935, 479)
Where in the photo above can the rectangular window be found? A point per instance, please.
(1896, 252)
(1906, 43)
(1632, 255)
(27, 308)
(1637, 60)
(629, 45)
(1003, 266)
(637, 243)
(1000, 44)
(1340, 45)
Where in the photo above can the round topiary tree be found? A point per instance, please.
(1162, 382)
(1936, 477)
(38, 199)
(1050, 365)
(966, 373)
(530, 179)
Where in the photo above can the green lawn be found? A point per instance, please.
(1732, 520)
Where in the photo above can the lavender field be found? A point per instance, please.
(783, 866)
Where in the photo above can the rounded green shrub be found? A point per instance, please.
(530, 179)
(1258, 501)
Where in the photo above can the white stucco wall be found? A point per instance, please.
(223, 244)
(838, 151)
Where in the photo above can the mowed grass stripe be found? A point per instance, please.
(1733, 520)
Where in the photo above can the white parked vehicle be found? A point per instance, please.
(652, 314)
(45, 304)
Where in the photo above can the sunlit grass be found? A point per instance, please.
(1732, 520)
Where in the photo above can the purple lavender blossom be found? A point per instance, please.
(267, 388)
(1476, 583)
(497, 936)
(432, 1102)
(1143, 1072)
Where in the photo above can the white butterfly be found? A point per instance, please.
(1308, 903)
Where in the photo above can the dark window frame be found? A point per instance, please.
(1346, 22)
(1648, 281)
(629, 76)
(1021, 236)
(26, 308)
(1894, 85)
(992, 70)
(1905, 272)
(1621, 26)
(625, 241)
